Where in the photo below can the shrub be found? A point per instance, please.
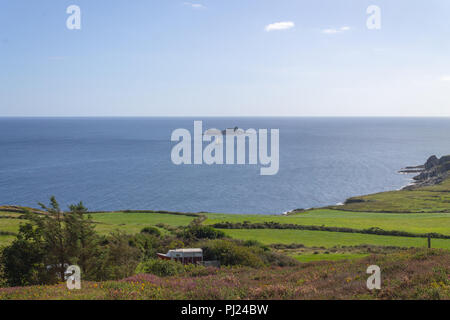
(202, 232)
(3, 280)
(194, 270)
(255, 243)
(22, 264)
(278, 259)
(147, 243)
(230, 253)
(152, 231)
(161, 268)
(166, 268)
(119, 258)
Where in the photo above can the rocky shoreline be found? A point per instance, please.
(433, 172)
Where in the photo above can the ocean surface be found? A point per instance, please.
(124, 163)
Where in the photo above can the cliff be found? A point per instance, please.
(433, 172)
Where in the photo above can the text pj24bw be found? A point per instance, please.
(236, 310)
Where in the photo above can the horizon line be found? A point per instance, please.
(227, 116)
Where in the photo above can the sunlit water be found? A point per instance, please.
(124, 163)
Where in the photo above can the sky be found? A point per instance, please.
(225, 58)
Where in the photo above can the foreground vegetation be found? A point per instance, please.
(410, 274)
(50, 241)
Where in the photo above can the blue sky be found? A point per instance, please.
(216, 58)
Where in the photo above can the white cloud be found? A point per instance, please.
(280, 26)
(334, 31)
(194, 5)
(445, 78)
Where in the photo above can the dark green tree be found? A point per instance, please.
(49, 243)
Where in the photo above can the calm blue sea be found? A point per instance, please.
(124, 163)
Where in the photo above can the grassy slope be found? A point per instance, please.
(413, 274)
(427, 199)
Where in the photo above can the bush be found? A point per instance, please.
(3, 280)
(119, 258)
(151, 231)
(167, 268)
(279, 260)
(194, 270)
(202, 232)
(161, 268)
(22, 264)
(230, 253)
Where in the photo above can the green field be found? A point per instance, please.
(413, 222)
(106, 222)
(134, 222)
(10, 225)
(330, 239)
(5, 240)
(417, 223)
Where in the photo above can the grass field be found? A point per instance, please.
(330, 239)
(134, 222)
(5, 240)
(8, 225)
(105, 222)
(414, 222)
(417, 223)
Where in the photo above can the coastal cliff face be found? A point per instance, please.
(433, 172)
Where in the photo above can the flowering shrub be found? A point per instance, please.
(162, 268)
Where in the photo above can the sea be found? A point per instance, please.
(125, 163)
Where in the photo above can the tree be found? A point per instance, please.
(49, 243)
(83, 240)
(120, 258)
(23, 260)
